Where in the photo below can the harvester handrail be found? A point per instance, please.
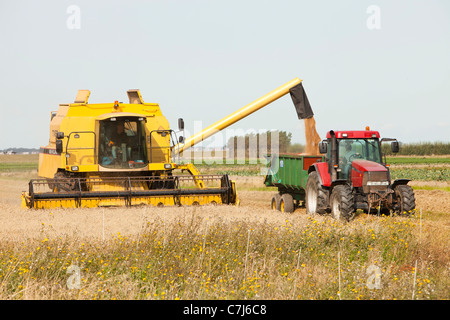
(170, 132)
(82, 148)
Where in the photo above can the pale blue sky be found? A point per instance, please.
(202, 60)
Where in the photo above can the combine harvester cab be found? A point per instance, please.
(352, 175)
(117, 154)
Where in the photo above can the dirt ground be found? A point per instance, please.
(19, 224)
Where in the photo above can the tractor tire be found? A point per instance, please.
(342, 203)
(316, 199)
(287, 203)
(275, 203)
(406, 201)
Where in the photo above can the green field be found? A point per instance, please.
(422, 174)
(417, 160)
(19, 162)
(18, 167)
(414, 168)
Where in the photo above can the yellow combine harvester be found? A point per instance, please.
(124, 154)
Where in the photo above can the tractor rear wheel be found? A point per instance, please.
(406, 201)
(341, 202)
(316, 196)
(275, 203)
(287, 203)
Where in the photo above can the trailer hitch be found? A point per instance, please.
(376, 197)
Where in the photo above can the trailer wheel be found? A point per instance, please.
(341, 202)
(316, 196)
(287, 203)
(275, 203)
(406, 201)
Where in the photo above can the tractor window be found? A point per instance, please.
(353, 149)
(122, 143)
(373, 150)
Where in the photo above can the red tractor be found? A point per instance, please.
(354, 176)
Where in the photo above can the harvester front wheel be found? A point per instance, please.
(406, 201)
(275, 203)
(62, 182)
(316, 195)
(341, 202)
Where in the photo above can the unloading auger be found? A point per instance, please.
(125, 154)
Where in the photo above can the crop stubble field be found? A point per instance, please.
(224, 252)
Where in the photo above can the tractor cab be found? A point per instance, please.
(360, 148)
(356, 149)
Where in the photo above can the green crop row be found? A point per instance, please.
(424, 174)
(18, 167)
(417, 160)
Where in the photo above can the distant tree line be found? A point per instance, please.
(419, 149)
(253, 144)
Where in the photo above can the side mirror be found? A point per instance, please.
(395, 147)
(180, 124)
(59, 146)
(323, 147)
(181, 139)
(60, 135)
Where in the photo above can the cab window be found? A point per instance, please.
(122, 143)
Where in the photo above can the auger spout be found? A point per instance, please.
(236, 116)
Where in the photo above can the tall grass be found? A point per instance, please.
(221, 260)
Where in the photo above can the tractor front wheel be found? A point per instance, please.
(341, 202)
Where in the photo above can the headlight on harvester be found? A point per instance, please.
(74, 168)
(167, 166)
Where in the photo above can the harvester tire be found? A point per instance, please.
(406, 201)
(287, 203)
(316, 196)
(68, 185)
(341, 202)
(275, 203)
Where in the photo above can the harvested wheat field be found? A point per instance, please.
(221, 252)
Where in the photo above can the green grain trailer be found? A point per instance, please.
(289, 173)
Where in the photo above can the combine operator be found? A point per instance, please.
(120, 144)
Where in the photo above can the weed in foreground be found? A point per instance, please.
(370, 258)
